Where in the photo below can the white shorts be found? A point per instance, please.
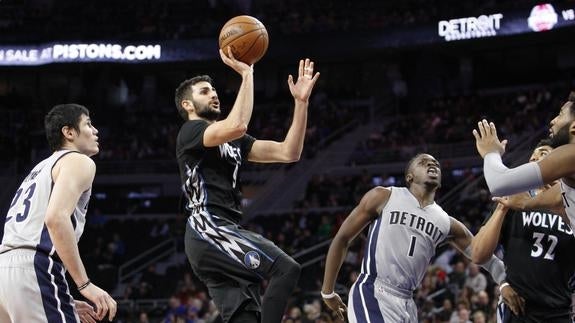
(34, 289)
(371, 302)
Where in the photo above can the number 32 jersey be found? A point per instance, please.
(538, 255)
(24, 225)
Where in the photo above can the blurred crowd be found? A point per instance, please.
(49, 20)
(446, 121)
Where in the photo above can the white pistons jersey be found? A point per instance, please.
(568, 196)
(24, 226)
(401, 242)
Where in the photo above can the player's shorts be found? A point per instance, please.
(505, 315)
(34, 289)
(231, 261)
(371, 300)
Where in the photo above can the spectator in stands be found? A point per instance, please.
(475, 279)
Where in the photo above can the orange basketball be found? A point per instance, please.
(247, 37)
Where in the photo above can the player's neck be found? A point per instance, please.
(424, 195)
(195, 117)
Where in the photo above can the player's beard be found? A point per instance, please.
(207, 112)
(562, 136)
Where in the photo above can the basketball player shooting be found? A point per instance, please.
(406, 226)
(230, 260)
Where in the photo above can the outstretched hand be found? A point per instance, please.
(301, 89)
(336, 304)
(232, 62)
(514, 202)
(486, 139)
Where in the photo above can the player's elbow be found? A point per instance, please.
(238, 130)
(479, 255)
(291, 158)
(498, 190)
(52, 220)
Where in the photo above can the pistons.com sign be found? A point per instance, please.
(470, 27)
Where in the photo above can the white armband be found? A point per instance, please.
(328, 296)
(503, 286)
(503, 181)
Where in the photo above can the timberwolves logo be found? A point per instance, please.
(252, 259)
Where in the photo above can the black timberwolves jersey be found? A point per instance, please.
(538, 255)
(210, 175)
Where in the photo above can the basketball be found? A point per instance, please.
(247, 37)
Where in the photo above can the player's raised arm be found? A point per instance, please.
(504, 181)
(236, 123)
(363, 214)
(485, 242)
(290, 149)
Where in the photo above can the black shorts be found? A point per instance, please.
(231, 262)
(505, 315)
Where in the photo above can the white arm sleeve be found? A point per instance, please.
(503, 181)
(494, 266)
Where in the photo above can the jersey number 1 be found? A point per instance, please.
(412, 246)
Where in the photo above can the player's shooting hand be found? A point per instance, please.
(103, 302)
(486, 139)
(336, 304)
(515, 302)
(514, 202)
(85, 312)
(235, 64)
(301, 89)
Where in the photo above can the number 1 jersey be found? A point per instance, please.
(403, 239)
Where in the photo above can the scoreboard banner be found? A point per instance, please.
(541, 18)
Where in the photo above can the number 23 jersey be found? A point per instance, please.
(24, 223)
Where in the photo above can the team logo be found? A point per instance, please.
(252, 259)
(543, 17)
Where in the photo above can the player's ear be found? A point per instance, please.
(188, 105)
(408, 178)
(572, 128)
(68, 132)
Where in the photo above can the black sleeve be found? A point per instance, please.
(191, 136)
(247, 142)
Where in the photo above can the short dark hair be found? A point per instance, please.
(572, 107)
(184, 91)
(545, 142)
(62, 115)
(408, 166)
